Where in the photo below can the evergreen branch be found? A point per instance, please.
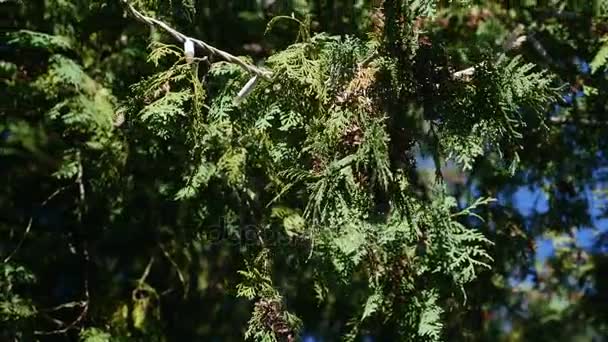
(208, 48)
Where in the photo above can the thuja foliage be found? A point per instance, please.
(324, 154)
(314, 174)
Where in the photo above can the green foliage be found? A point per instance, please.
(32, 39)
(13, 307)
(601, 58)
(177, 212)
(430, 320)
(94, 335)
(323, 135)
(501, 96)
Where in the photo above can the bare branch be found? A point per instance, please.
(267, 75)
(247, 89)
(68, 327)
(466, 74)
(514, 41)
(511, 43)
(559, 14)
(29, 225)
(84, 304)
(586, 122)
(79, 180)
(146, 272)
(182, 279)
(538, 47)
(68, 305)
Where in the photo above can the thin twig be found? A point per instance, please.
(85, 254)
(146, 272)
(587, 122)
(513, 41)
(208, 48)
(80, 182)
(517, 43)
(70, 326)
(312, 243)
(68, 305)
(84, 304)
(466, 74)
(182, 279)
(511, 44)
(247, 89)
(29, 225)
(538, 47)
(27, 231)
(54, 320)
(559, 14)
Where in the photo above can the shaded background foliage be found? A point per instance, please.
(95, 191)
